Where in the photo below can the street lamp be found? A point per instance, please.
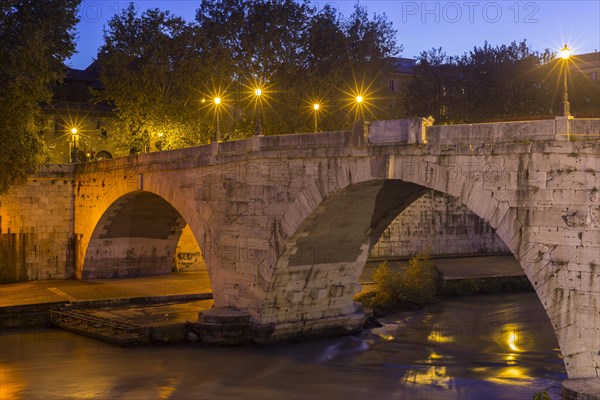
(257, 95)
(565, 54)
(217, 101)
(316, 107)
(359, 110)
(74, 156)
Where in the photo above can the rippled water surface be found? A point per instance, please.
(484, 347)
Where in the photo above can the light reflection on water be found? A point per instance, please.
(492, 347)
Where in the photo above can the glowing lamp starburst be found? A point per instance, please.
(565, 53)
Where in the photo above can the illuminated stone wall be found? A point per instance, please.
(36, 227)
(439, 225)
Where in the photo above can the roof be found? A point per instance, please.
(588, 57)
(89, 76)
(403, 65)
(587, 62)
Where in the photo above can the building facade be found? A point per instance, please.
(75, 124)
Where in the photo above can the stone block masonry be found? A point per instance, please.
(36, 227)
(439, 225)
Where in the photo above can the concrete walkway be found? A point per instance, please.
(38, 292)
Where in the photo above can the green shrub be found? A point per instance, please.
(417, 284)
(420, 282)
(386, 296)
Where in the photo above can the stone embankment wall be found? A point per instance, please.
(36, 227)
(440, 225)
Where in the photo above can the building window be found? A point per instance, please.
(594, 76)
(393, 85)
(103, 132)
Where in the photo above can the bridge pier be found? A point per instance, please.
(581, 389)
(228, 326)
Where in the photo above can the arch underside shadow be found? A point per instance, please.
(338, 229)
(136, 236)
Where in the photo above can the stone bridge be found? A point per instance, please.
(286, 223)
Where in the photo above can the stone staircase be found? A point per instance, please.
(104, 329)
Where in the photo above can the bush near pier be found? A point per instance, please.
(421, 283)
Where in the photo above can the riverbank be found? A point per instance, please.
(144, 301)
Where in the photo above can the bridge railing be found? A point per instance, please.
(300, 140)
(422, 131)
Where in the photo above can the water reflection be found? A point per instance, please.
(511, 336)
(11, 383)
(434, 374)
(494, 347)
(439, 337)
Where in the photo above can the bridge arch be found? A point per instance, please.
(332, 229)
(136, 235)
(332, 240)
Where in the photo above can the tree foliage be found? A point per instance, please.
(36, 36)
(148, 65)
(486, 83)
(162, 74)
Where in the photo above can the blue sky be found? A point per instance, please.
(456, 26)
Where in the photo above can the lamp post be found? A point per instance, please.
(316, 107)
(565, 54)
(217, 101)
(74, 155)
(257, 95)
(359, 100)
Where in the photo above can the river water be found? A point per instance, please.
(483, 347)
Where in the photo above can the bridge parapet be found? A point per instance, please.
(560, 129)
(415, 131)
(421, 131)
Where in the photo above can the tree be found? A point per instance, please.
(162, 74)
(346, 57)
(299, 55)
(150, 69)
(487, 83)
(263, 44)
(36, 36)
